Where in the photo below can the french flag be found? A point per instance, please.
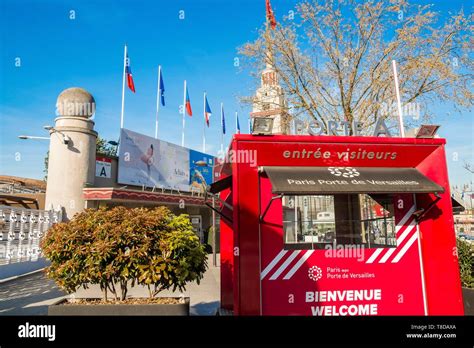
(189, 111)
(128, 72)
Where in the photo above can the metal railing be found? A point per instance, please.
(21, 231)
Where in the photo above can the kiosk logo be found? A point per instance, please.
(346, 172)
(315, 273)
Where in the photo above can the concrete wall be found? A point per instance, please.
(71, 166)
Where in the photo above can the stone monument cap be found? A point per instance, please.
(75, 101)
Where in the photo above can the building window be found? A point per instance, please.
(312, 222)
(269, 79)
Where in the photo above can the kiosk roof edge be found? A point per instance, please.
(340, 139)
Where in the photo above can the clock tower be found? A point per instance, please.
(269, 102)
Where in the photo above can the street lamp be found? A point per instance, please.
(24, 137)
(66, 139)
(262, 126)
(427, 131)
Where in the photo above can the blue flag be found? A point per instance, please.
(222, 119)
(237, 121)
(161, 89)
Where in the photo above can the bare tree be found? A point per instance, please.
(334, 59)
(468, 167)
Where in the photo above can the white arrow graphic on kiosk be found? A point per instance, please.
(405, 227)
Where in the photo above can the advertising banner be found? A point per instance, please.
(200, 166)
(144, 160)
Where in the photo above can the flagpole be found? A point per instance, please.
(222, 128)
(204, 125)
(184, 113)
(123, 85)
(399, 103)
(158, 95)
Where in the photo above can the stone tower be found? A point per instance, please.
(72, 149)
(270, 102)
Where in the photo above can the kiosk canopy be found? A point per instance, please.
(310, 180)
(220, 185)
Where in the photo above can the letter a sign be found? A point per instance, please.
(103, 167)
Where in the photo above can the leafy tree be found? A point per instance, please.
(466, 263)
(119, 247)
(104, 148)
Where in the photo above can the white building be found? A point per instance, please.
(269, 102)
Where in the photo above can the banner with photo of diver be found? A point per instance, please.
(150, 162)
(200, 169)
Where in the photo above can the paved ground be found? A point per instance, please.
(31, 295)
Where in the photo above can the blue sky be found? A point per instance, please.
(57, 52)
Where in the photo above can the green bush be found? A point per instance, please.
(123, 247)
(466, 263)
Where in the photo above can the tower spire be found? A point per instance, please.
(269, 101)
(270, 16)
(270, 24)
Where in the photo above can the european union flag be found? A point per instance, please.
(222, 119)
(161, 89)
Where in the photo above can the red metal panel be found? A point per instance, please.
(246, 223)
(439, 243)
(340, 154)
(338, 139)
(227, 261)
(397, 273)
(236, 234)
(222, 170)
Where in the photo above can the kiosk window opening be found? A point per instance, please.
(315, 221)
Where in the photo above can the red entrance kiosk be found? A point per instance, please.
(337, 225)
